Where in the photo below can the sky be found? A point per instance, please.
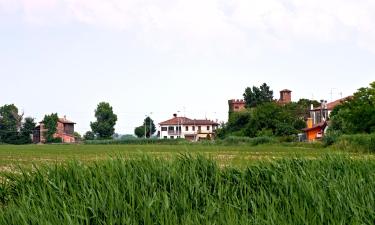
(159, 57)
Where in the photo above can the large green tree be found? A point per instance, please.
(256, 96)
(13, 128)
(356, 114)
(9, 123)
(50, 126)
(104, 126)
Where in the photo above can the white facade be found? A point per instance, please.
(193, 130)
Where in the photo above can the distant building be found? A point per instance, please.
(318, 122)
(285, 97)
(65, 131)
(183, 127)
(238, 105)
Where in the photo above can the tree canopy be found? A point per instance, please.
(148, 123)
(50, 124)
(13, 128)
(104, 126)
(357, 113)
(256, 96)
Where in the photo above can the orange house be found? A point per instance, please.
(315, 132)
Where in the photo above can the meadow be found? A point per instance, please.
(185, 184)
(234, 155)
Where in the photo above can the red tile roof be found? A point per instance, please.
(332, 105)
(187, 121)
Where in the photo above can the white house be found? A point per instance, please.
(182, 127)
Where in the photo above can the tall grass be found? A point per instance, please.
(332, 190)
(353, 143)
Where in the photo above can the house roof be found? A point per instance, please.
(65, 121)
(286, 90)
(321, 125)
(332, 105)
(187, 121)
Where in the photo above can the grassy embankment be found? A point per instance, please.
(335, 189)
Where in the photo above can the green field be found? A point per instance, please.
(240, 155)
(185, 184)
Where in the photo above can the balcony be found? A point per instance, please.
(172, 132)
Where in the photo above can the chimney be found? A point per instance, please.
(174, 115)
(309, 123)
(64, 117)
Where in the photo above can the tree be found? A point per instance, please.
(148, 127)
(13, 130)
(89, 135)
(356, 114)
(256, 96)
(104, 126)
(50, 124)
(27, 129)
(139, 131)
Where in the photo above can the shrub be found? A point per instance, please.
(357, 143)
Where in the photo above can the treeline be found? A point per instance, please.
(14, 128)
(265, 116)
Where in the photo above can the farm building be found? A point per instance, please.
(65, 131)
(190, 129)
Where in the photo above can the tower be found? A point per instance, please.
(285, 96)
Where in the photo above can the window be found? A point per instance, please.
(193, 128)
(165, 137)
(186, 128)
(208, 127)
(172, 137)
(178, 137)
(171, 128)
(164, 128)
(199, 128)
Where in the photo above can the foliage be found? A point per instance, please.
(334, 190)
(13, 128)
(256, 96)
(50, 124)
(104, 126)
(89, 135)
(355, 143)
(356, 114)
(150, 128)
(139, 131)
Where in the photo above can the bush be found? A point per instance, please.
(357, 143)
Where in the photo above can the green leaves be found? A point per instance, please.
(104, 126)
(356, 114)
(256, 96)
(50, 126)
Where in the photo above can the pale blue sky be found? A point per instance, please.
(162, 56)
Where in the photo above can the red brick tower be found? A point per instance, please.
(285, 96)
(236, 105)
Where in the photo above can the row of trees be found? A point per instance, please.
(104, 126)
(14, 128)
(263, 116)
